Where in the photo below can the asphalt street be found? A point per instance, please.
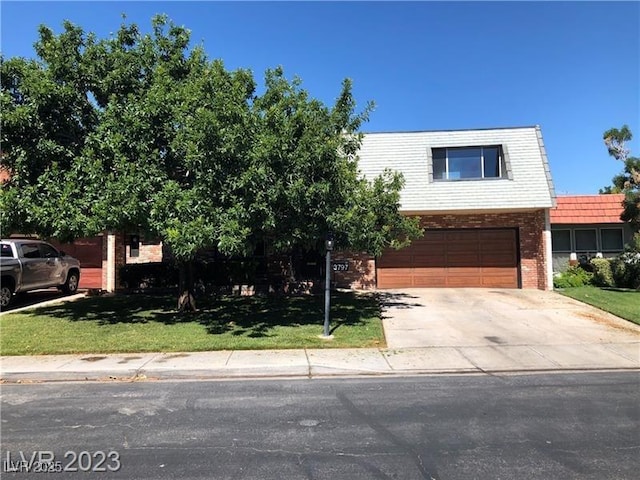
(552, 426)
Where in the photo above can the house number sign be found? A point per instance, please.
(341, 266)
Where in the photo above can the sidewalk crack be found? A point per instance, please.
(141, 367)
(386, 359)
(544, 356)
(306, 354)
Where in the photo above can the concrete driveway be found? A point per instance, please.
(506, 328)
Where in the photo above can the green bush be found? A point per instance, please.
(602, 272)
(573, 277)
(626, 266)
(206, 273)
(148, 275)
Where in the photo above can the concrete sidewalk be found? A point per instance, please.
(311, 363)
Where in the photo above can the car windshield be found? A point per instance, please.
(5, 251)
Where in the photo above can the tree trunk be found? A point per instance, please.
(186, 301)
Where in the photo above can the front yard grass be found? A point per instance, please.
(145, 323)
(621, 302)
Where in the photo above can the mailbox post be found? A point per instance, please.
(327, 285)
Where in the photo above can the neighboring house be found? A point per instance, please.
(484, 198)
(587, 226)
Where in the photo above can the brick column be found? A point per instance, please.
(109, 266)
(548, 252)
(113, 258)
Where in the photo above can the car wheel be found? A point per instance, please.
(71, 285)
(6, 293)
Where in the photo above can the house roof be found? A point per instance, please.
(583, 209)
(529, 185)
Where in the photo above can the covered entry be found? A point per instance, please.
(453, 258)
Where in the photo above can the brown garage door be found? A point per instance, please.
(453, 258)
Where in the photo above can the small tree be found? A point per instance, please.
(628, 182)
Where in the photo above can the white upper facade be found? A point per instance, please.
(524, 182)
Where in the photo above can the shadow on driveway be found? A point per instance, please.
(29, 299)
(398, 300)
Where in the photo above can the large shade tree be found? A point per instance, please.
(142, 132)
(627, 182)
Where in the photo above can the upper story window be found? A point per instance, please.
(465, 163)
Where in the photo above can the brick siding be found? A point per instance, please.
(150, 251)
(361, 274)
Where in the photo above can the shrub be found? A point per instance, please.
(573, 277)
(626, 266)
(207, 274)
(148, 275)
(602, 272)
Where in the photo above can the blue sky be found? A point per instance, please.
(573, 68)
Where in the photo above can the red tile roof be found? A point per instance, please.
(587, 209)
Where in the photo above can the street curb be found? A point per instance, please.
(26, 378)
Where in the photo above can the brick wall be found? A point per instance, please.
(530, 227)
(149, 251)
(361, 273)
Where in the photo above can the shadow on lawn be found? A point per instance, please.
(241, 316)
(620, 290)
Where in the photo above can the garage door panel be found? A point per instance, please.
(463, 281)
(397, 263)
(427, 260)
(497, 248)
(498, 260)
(498, 278)
(395, 280)
(461, 235)
(428, 281)
(469, 242)
(433, 236)
(461, 258)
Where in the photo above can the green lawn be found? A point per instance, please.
(623, 303)
(144, 323)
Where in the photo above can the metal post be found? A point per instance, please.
(327, 293)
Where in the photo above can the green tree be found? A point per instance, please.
(145, 133)
(627, 182)
(46, 118)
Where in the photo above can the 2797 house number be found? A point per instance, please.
(44, 461)
(341, 266)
